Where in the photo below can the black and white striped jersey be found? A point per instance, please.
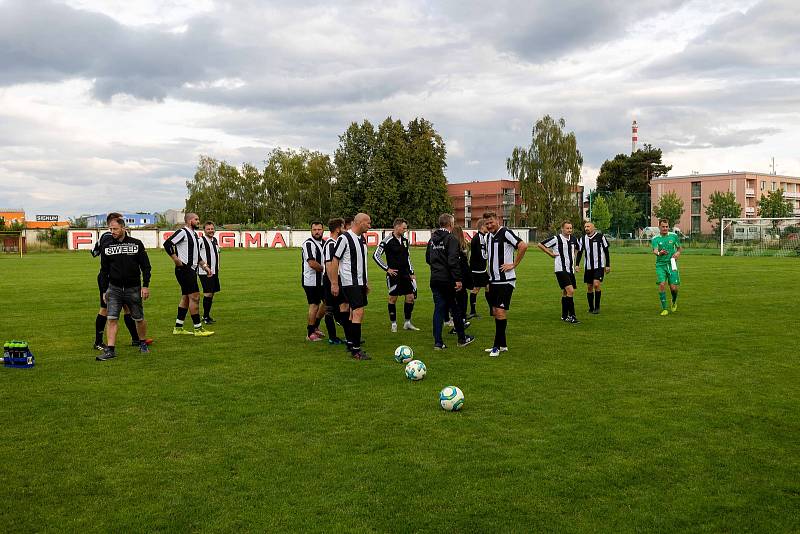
(477, 254)
(500, 248)
(312, 250)
(327, 250)
(210, 255)
(564, 248)
(187, 245)
(595, 247)
(397, 256)
(351, 251)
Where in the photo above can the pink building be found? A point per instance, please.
(695, 190)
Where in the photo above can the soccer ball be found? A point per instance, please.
(415, 370)
(403, 354)
(451, 398)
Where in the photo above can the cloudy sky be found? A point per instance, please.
(110, 103)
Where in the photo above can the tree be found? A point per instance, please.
(601, 216)
(773, 205)
(721, 206)
(389, 168)
(75, 222)
(669, 207)
(425, 193)
(632, 173)
(625, 212)
(353, 161)
(548, 171)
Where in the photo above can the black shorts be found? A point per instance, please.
(399, 286)
(500, 295)
(210, 283)
(590, 275)
(187, 279)
(102, 285)
(565, 279)
(480, 279)
(313, 294)
(331, 301)
(355, 296)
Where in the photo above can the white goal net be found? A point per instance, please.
(760, 237)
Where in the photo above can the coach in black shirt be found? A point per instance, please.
(442, 255)
(124, 261)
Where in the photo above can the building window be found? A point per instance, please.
(763, 185)
(695, 224)
(505, 222)
(696, 189)
(774, 186)
(696, 205)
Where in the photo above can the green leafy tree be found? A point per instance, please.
(322, 177)
(77, 222)
(632, 173)
(721, 206)
(670, 207)
(390, 166)
(773, 205)
(601, 216)
(548, 171)
(625, 212)
(424, 196)
(353, 161)
(287, 184)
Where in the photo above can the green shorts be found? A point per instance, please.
(664, 273)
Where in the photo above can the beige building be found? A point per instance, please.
(695, 190)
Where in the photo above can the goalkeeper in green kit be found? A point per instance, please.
(667, 248)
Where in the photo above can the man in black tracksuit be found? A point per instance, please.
(124, 261)
(442, 255)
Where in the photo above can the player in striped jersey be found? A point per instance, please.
(185, 248)
(597, 263)
(336, 309)
(102, 285)
(400, 277)
(562, 248)
(209, 282)
(313, 272)
(501, 265)
(477, 264)
(349, 264)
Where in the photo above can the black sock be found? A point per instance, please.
(99, 327)
(473, 298)
(130, 324)
(111, 348)
(181, 317)
(207, 302)
(330, 325)
(674, 295)
(408, 309)
(196, 320)
(310, 329)
(393, 312)
(564, 310)
(355, 331)
(590, 297)
(316, 322)
(500, 332)
(597, 300)
(570, 306)
(344, 320)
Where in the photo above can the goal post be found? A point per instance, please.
(12, 242)
(760, 237)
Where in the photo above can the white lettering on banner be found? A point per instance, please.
(85, 239)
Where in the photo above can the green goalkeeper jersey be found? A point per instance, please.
(670, 242)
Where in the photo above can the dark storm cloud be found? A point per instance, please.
(542, 30)
(761, 42)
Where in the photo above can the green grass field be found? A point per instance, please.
(626, 422)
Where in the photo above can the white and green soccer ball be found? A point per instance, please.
(415, 370)
(403, 354)
(451, 398)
